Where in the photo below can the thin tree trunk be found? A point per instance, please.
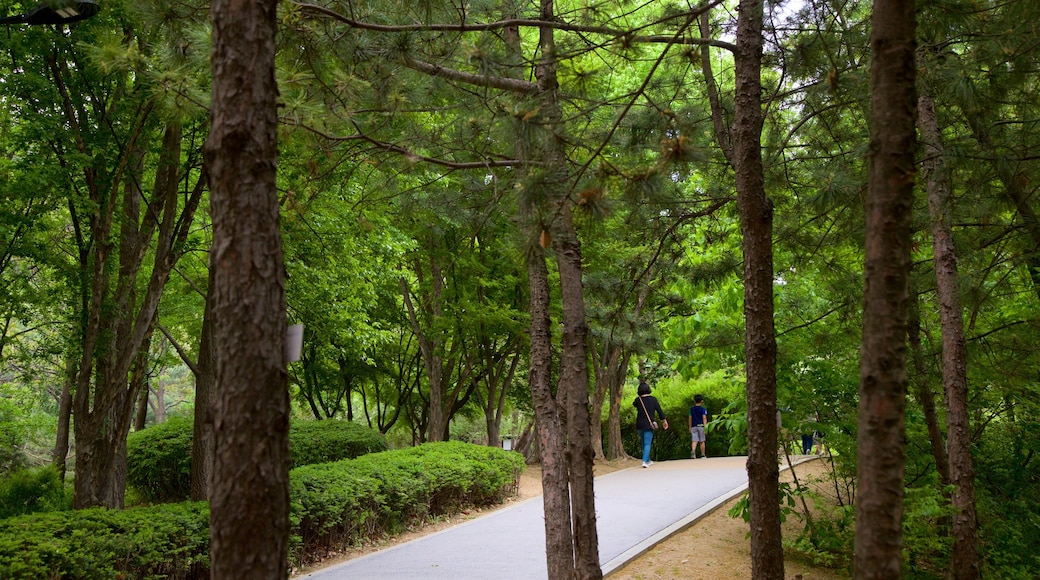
(205, 392)
(756, 219)
(615, 445)
(249, 492)
(964, 564)
(61, 444)
(924, 392)
(882, 385)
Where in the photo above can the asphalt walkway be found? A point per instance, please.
(636, 508)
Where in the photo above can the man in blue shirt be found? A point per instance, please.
(698, 419)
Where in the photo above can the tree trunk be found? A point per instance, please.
(205, 393)
(964, 564)
(756, 219)
(924, 392)
(249, 492)
(61, 444)
(431, 348)
(574, 382)
(139, 384)
(549, 426)
(615, 445)
(882, 384)
(101, 454)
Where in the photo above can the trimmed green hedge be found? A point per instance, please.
(338, 504)
(164, 541)
(332, 505)
(159, 457)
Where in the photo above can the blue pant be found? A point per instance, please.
(648, 438)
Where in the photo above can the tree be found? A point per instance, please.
(965, 561)
(249, 496)
(882, 389)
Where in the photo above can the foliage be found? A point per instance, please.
(11, 438)
(338, 504)
(312, 442)
(332, 505)
(32, 490)
(159, 458)
(168, 541)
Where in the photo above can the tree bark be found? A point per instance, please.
(756, 219)
(574, 383)
(205, 390)
(549, 425)
(249, 493)
(924, 392)
(964, 564)
(61, 444)
(882, 384)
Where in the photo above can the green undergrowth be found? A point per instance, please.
(332, 506)
(159, 457)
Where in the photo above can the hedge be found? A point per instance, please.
(164, 541)
(331, 506)
(159, 457)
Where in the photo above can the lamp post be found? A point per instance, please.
(55, 12)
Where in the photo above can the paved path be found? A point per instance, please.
(635, 509)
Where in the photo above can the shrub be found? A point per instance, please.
(165, 541)
(32, 490)
(159, 460)
(159, 457)
(332, 505)
(312, 442)
(338, 504)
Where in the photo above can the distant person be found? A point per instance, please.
(807, 443)
(815, 439)
(646, 406)
(698, 421)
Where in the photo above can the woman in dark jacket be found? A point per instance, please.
(646, 406)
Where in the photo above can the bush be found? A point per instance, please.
(28, 491)
(312, 442)
(339, 504)
(158, 460)
(159, 457)
(12, 438)
(332, 505)
(166, 541)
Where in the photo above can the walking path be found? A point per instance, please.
(635, 509)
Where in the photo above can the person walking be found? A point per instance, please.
(698, 420)
(646, 406)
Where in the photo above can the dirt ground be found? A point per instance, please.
(716, 547)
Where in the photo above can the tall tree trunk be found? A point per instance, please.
(549, 425)
(924, 392)
(61, 444)
(574, 382)
(615, 445)
(882, 385)
(431, 347)
(756, 219)
(139, 384)
(249, 492)
(205, 393)
(964, 564)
